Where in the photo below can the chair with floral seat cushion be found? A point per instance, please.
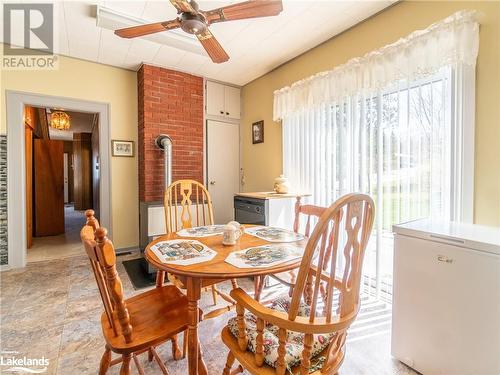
(304, 337)
(294, 340)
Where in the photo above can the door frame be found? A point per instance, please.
(16, 179)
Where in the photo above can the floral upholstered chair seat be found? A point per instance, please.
(294, 340)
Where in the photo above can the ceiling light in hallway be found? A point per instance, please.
(60, 120)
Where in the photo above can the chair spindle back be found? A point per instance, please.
(332, 259)
(195, 205)
(102, 258)
(348, 223)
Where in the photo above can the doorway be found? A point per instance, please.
(62, 179)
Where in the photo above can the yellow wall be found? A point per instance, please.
(85, 80)
(263, 162)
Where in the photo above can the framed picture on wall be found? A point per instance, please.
(122, 148)
(258, 132)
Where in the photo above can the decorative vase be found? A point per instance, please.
(281, 185)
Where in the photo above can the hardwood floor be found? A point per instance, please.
(52, 308)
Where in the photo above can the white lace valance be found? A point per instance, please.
(454, 40)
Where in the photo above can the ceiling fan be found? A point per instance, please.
(195, 21)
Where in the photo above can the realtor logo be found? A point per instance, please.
(28, 31)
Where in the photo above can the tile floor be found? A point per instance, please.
(62, 246)
(52, 308)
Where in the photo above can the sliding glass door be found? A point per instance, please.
(394, 145)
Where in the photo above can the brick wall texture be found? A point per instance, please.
(171, 103)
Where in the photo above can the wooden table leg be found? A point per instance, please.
(195, 362)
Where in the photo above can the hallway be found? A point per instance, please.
(62, 246)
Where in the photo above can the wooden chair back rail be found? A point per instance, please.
(195, 203)
(107, 260)
(307, 210)
(103, 261)
(88, 234)
(353, 215)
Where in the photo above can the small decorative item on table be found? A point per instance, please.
(272, 234)
(122, 148)
(264, 256)
(258, 132)
(232, 233)
(182, 252)
(281, 185)
(204, 231)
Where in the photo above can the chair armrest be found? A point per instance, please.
(280, 319)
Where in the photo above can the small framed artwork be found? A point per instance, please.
(122, 148)
(258, 132)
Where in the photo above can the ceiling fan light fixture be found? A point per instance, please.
(60, 120)
(196, 22)
(192, 23)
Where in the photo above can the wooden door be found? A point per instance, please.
(223, 163)
(48, 187)
(82, 173)
(232, 102)
(215, 99)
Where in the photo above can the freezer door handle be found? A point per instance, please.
(449, 239)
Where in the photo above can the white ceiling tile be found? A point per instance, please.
(133, 8)
(191, 62)
(156, 11)
(61, 42)
(255, 46)
(82, 32)
(168, 56)
(112, 47)
(143, 49)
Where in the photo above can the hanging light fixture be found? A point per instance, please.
(60, 120)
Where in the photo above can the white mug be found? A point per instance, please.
(232, 232)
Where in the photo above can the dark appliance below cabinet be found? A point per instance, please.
(251, 210)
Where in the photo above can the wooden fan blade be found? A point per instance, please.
(151, 28)
(247, 9)
(212, 46)
(183, 6)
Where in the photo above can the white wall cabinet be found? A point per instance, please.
(232, 102)
(222, 100)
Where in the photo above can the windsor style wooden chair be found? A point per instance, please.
(288, 279)
(188, 204)
(307, 338)
(136, 325)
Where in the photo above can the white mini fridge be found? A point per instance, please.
(446, 299)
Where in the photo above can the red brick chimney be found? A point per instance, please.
(171, 103)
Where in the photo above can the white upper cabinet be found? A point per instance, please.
(215, 99)
(222, 100)
(232, 102)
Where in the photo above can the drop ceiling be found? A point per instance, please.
(255, 46)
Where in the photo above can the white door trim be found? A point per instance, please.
(16, 179)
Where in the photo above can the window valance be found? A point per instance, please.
(454, 40)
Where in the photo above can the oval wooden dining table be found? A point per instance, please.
(214, 269)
